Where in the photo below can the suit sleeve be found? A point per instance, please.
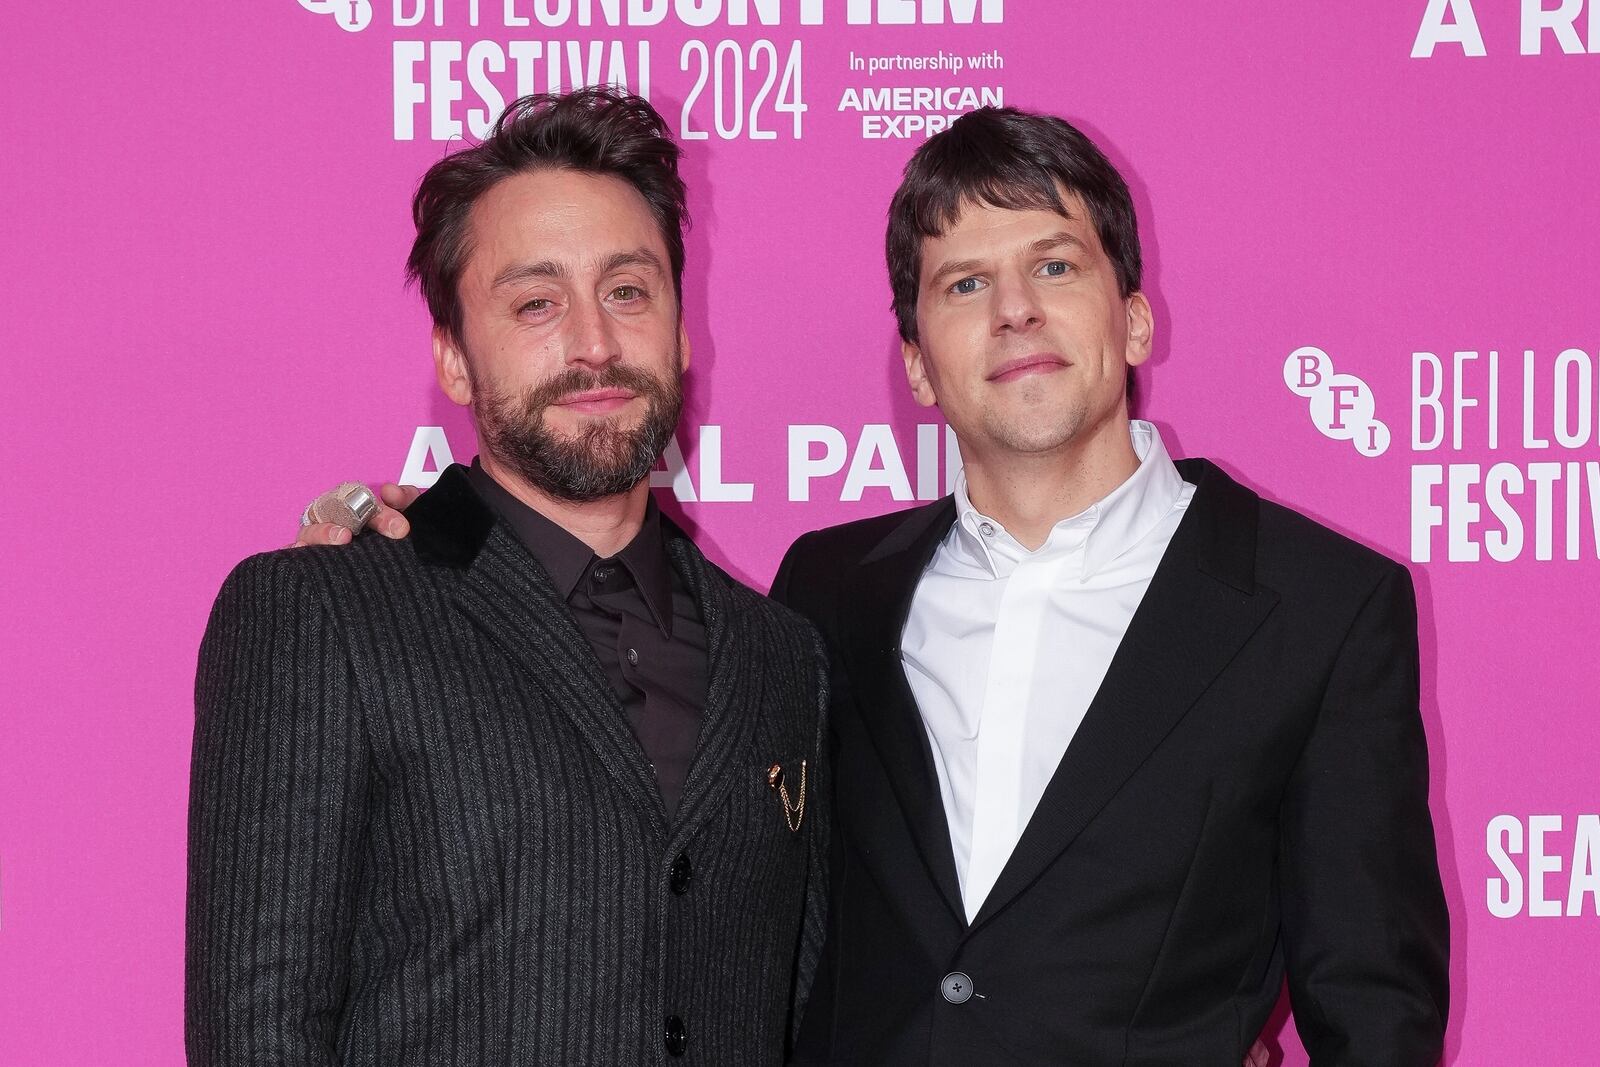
(1365, 926)
(276, 819)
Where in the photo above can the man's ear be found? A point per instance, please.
(917, 374)
(450, 365)
(1141, 330)
(683, 346)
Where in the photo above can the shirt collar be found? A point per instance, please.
(1115, 523)
(646, 559)
(567, 559)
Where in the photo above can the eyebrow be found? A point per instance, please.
(955, 266)
(1059, 239)
(548, 268)
(638, 257)
(521, 272)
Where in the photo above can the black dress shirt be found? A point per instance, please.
(641, 620)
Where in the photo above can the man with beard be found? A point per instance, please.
(484, 795)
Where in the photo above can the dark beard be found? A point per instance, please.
(601, 461)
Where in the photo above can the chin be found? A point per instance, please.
(1039, 444)
(574, 425)
(1033, 431)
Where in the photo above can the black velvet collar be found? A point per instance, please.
(450, 523)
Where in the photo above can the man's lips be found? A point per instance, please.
(595, 401)
(1023, 366)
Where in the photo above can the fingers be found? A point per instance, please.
(387, 520)
(399, 497)
(390, 523)
(395, 499)
(321, 533)
(1258, 1056)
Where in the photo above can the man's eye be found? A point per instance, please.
(965, 286)
(627, 292)
(1056, 268)
(537, 304)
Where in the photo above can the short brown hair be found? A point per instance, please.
(596, 131)
(1010, 159)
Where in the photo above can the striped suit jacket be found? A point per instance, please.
(421, 831)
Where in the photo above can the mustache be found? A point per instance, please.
(575, 380)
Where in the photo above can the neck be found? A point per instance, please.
(1029, 493)
(606, 525)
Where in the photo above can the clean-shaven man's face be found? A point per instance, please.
(572, 349)
(1024, 341)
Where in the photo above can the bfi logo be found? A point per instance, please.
(1342, 405)
(353, 16)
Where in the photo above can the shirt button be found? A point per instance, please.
(986, 528)
(633, 657)
(602, 573)
(956, 987)
(682, 874)
(677, 1037)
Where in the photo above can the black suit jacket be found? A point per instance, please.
(1247, 793)
(421, 831)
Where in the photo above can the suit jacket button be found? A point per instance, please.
(682, 874)
(956, 987)
(677, 1036)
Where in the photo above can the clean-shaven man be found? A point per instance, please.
(539, 785)
(1117, 744)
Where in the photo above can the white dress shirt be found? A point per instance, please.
(1005, 648)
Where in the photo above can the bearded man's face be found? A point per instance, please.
(571, 350)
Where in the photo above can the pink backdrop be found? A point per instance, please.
(204, 220)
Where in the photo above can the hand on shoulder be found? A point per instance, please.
(389, 520)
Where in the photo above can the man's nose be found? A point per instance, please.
(1016, 304)
(594, 337)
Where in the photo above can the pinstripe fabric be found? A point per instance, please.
(422, 833)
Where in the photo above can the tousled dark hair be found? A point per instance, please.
(596, 131)
(1012, 159)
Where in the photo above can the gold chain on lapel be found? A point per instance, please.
(793, 813)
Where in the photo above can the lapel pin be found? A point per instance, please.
(794, 812)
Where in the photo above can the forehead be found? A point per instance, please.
(565, 216)
(984, 229)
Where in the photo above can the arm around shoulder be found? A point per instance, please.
(277, 809)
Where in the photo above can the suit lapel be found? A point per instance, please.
(502, 589)
(511, 599)
(730, 710)
(880, 601)
(496, 583)
(1201, 607)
